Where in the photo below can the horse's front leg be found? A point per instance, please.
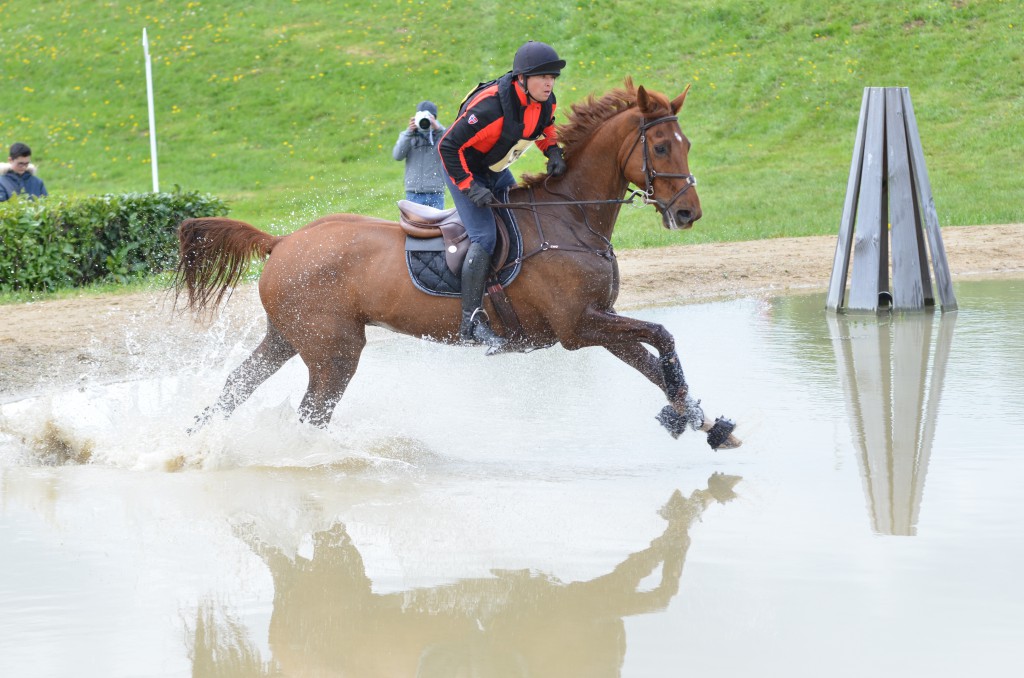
(625, 338)
(685, 410)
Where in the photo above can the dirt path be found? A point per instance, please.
(57, 343)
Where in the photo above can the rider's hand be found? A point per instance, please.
(479, 195)
(556, 163)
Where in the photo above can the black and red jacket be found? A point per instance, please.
(492, 122)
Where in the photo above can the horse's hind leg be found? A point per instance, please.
(331, 367)
(272, 353)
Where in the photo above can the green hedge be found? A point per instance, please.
(54, 243)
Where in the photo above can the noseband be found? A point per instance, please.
(650, 174)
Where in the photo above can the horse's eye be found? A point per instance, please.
(660, 149)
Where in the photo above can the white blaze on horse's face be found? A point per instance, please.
(679, 137)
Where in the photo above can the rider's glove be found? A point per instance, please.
(556, 163)
(479, 195)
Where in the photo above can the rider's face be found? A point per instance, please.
(540, 86)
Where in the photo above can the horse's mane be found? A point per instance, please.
(587, 115)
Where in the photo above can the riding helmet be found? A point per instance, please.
(537, 58)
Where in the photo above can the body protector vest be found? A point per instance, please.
(513, 141)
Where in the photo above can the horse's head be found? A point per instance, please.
(656, 159)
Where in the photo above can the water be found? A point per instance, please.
(525, 515)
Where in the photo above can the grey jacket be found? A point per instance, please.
(423, 170)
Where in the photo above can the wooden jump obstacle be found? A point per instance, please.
(888, 197)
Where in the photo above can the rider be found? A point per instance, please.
(497, 122)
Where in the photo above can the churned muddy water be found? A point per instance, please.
(527, 516)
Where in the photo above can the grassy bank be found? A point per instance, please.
(288, 109)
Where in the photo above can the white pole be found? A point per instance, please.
(152, 115)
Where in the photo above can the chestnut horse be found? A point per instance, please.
(323, 284)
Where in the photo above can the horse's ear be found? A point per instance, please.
(677, 103)
(643, 100)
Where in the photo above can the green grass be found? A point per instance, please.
(156, 283)
(289, 109)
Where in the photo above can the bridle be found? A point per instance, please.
(650, 174)
(646, 196)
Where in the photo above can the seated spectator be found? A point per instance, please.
(18, 174)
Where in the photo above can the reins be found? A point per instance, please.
(545, 245)
(609, 201)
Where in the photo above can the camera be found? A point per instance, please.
(422, 119)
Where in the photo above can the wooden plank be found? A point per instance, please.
(884, 256)
(841, 261)
(907, 289)
(922, 251)
(922, 248)
(931, 218)
(871, 212)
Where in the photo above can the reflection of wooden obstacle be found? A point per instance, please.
(889, 184)
(892, 407)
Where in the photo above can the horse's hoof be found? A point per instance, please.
(720, 434)
(731, 443)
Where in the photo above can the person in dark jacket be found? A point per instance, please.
(496, 123)
(18, 174)
(417, 146)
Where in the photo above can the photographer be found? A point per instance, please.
(417, 145)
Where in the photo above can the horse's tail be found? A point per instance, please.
(214, 254)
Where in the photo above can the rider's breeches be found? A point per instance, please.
(479, 221)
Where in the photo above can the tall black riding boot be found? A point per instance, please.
(475, 327)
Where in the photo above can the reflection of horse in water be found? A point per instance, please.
(323, 284)
(327, 620)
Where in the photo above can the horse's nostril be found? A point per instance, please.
(687, 216)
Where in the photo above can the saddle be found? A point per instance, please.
(423, 222)
(436, 244)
